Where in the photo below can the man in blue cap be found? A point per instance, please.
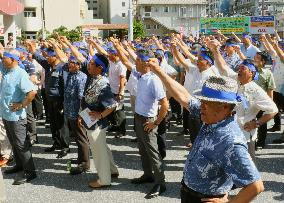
(17, 92)
(254, 98)
(30, 69)
(219, 156)
(147, 120)
(198, 69)
(54, 85)
(247, 48)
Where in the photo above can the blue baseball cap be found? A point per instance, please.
(13, 56)
(144, 55)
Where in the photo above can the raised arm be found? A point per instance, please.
(218, 58)
(73, 49)
(236, 37)
(179, 56)
(98, 47)
(122, 56)
(60, 54)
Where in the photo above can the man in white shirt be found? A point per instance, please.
(117, 81)
(247, 48)
(254, 98)
(198, 70)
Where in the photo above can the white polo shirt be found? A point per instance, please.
(194, 79)
(115, 71)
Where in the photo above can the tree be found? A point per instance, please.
(138, 29)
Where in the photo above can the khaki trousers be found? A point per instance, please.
(102, 155)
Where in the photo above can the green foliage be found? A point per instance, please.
(72, 35)
(138, 29)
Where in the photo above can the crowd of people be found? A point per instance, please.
(222, 89)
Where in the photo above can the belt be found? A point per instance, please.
(136, 114)
(197, 194)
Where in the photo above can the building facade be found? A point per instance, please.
(162, 17)
(257, 7)
(69, 13)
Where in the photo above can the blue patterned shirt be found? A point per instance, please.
(219, 158)
(73, 93)
(232, 61)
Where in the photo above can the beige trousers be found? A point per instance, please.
(5, 147)
(102, 155)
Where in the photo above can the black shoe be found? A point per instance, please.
(63, 153)
(274, 129)
(78, 170)
(26, 178)
(12, 170)
(115, 175)
(142, 179)
(34, 141)
(157, 190)
(278, 141)
(51, 149)
(119, 134)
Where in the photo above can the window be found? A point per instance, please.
(95, 2)
(156, 27)
(95, 15)
(156, 9)
(95, 8)
(123, 15)
(148, 27)
(174, 9)
(147, 8)
(123, 4)
(166, 9)
(30, 12)
(183, 11)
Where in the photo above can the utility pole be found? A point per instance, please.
(262, 8)
(43, 20)
(130, 21)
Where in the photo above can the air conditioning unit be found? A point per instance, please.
(147, 14)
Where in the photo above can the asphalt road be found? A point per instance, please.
(54, 184)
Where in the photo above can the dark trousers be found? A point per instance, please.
(82, 141)
(261, 132)
(161, 138)
(17, 135)
(148, 150)
(31, 123)
(118, 120)
(278, 98)
(38, 105)
(193, 125)
(175, 108)
(190, 196)
(55, 111)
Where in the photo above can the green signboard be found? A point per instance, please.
(237, 25)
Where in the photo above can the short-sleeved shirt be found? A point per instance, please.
(15, 84)
(232, 61)
(73, 93)
(149, 92)
(249, 52)
(266, 79)
(29, 67)
(194, 79)
(98, 97)
(278, 73)
(219, 157)
(115, 71)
